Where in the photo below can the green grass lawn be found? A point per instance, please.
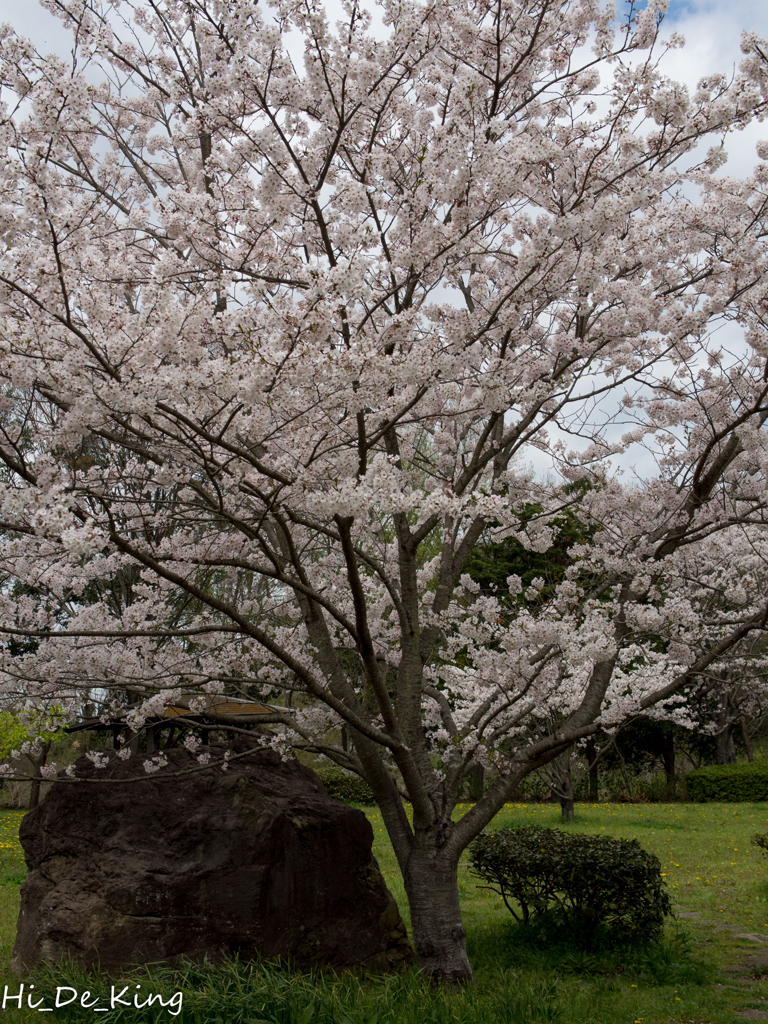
(12, 874)
(703, 974)
(710, 867)
(704, 849)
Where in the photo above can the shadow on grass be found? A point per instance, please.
(13, 873)
(550, 948)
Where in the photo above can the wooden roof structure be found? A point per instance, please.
(222, 710)
(218, 708)
(218, 712)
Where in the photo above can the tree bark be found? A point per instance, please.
(745, 735)
(564, 792)
(475, 782)
(562, 784)
(591, 754)
(34, 793)
(725, 749)
(38, 762)
(431, 883)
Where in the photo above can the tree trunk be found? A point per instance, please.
(725, 749)
(34, 793)
(475, 782)
(745, 734)
(591, 754)
(566, 808)
(432, 886)
(562, 786)
(38, 762)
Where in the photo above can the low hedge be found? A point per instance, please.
(589, 883)
(343, 786)
(729, 783)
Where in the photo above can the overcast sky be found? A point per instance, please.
(712, 29)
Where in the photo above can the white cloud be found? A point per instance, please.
(712, 31)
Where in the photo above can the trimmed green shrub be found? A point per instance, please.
(729, 783)
(589, 883)
(343, 786)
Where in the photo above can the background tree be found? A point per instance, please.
(26, 738)
(312, 319)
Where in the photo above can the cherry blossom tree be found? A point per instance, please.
(287, 309)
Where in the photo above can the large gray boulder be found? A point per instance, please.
(257, 859)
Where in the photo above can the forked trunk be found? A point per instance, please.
(562, 788)
(431, 883)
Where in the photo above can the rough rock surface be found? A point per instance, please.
(254, 859)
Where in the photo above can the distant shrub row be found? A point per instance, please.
(349, 788)
(729, 783)
(587, 882)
